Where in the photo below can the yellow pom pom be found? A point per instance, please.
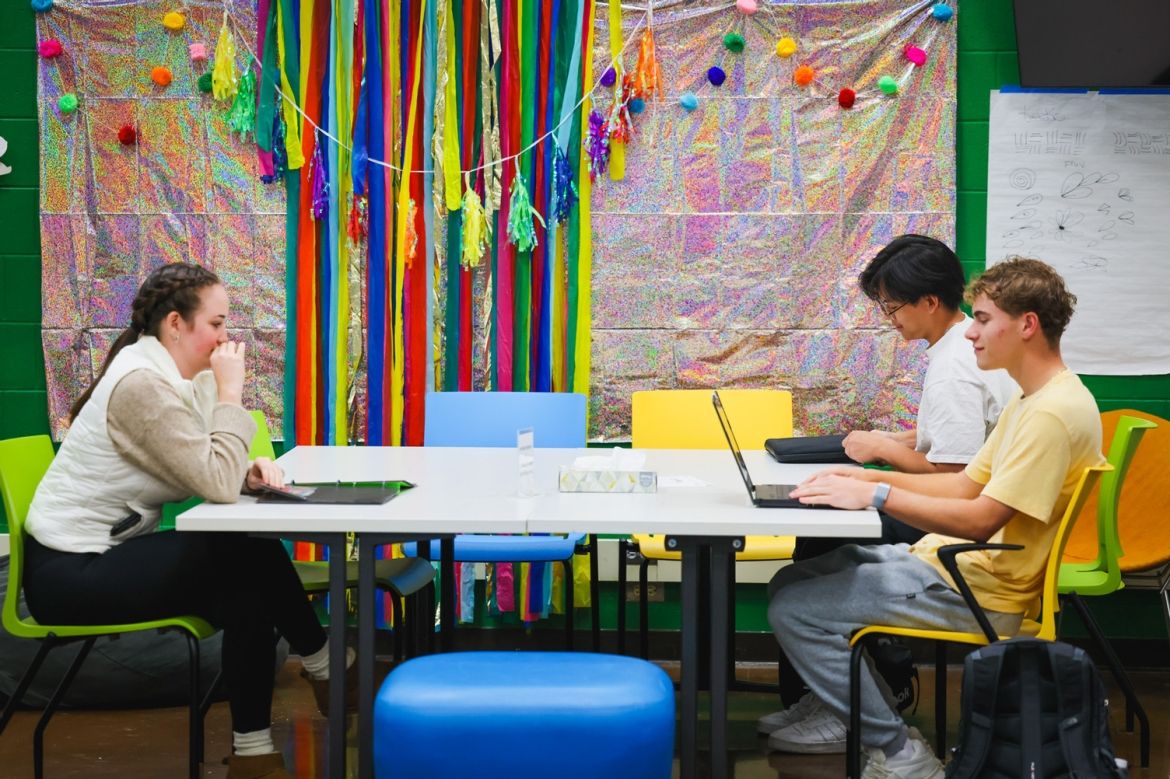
(173, 20)
(786, 47)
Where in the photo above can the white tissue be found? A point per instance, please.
(618, 459)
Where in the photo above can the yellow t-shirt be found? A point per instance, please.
(1031, 462)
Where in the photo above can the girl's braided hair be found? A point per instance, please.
(174, 287)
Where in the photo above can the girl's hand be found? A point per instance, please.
(227, 363)
(265, 471)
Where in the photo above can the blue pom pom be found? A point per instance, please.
(40, 6)
(689, 101)
(716, 76)
(942, 12)
(637, 105)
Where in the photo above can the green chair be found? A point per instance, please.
(23, 461)
(1102, 576)
(403, 577)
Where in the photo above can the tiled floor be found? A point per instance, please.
(152, 743)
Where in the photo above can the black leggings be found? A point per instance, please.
(894, 531)
(246, 586)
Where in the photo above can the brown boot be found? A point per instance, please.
(270, 766)
(321, 690)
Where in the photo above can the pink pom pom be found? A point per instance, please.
(50, 48)
(746, 7)
(915, 55)
(198, 52)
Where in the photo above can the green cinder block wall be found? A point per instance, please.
(987, 60)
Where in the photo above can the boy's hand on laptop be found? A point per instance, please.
(837, 487)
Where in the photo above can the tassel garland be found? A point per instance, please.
(476, 228)
(358, 226)
(521, 230)
(597, 145)
(241, 117)
(223, 74)
(647, 76)
(411, 233)
(564, 190)
(318, 183)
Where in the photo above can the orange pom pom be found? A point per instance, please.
(803, 75)
(161, 75)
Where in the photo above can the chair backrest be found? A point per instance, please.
(685, 419)
(262, 441)
(1076, 503)
(492, 418)
(23, 463)
(1130, 431)
(1141, 516)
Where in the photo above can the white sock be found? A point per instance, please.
(317, 664)
(258, 742)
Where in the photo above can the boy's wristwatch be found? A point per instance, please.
(880, 494)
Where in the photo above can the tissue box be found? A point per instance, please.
(592, 480)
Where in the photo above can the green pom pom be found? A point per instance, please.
(67, 103)
(733, 41)
(888, 85)
(205, 83)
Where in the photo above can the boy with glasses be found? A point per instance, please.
(917, 283)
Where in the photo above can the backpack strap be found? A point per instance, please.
(1079, 698)
(981, 671)
(1031, 710)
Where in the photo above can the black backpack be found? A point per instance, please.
(1033, 708)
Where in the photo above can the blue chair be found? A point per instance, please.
(565, 714)
(491, 419)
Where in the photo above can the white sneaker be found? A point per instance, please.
(915, 761)
(770, 723)
(819, 733)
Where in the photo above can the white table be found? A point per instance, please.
(473, 490)
(711, 518)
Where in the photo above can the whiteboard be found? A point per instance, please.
(1082, 181)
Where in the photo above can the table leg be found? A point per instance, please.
(721, 552)
(337, 654)
(367, 596)
(447, 597)
(688, 730)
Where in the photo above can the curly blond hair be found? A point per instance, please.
(1019, 285)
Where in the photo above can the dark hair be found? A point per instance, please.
(910, 267)
(174, 287)
(1019, 285)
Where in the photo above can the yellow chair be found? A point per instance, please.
(402, 576)
(684, 419)
(1044, 628)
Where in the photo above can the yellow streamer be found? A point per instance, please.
(451, 160)
(585, 241)
(292, 122)
(617, 149)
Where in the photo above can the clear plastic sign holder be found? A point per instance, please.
(526, 462)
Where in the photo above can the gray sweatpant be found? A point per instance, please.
(817, 604)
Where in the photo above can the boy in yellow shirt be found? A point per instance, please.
(1014, 491)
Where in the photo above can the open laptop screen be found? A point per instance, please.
(725, 423)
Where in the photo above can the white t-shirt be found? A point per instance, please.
(960, 403)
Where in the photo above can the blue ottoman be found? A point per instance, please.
(516, 714)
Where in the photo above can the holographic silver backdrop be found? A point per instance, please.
(727, 256)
